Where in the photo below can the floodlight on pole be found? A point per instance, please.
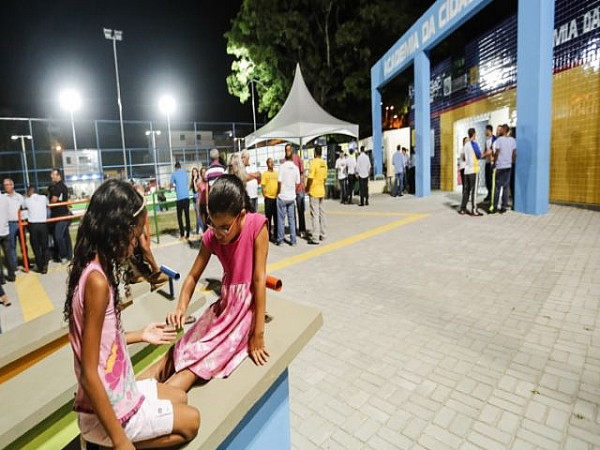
(154, 133)
(22, 137)
(71, 101)
(114, 36)
(167, 106)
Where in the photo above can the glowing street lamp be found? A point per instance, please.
(23, 137)
(71, 101)
(114, 36)
(154, 133)
(167, 106)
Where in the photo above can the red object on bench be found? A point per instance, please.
(274, 283)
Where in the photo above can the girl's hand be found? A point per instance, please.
(176, 318)
(158, 334)
(257, 350)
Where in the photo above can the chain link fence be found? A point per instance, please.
(99, 152)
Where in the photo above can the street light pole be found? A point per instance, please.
(167, 106)
(114, 36)
(73, 129)
(23, 137)
(71, 101)
(253, 107)
(154, 134)
(169, 136)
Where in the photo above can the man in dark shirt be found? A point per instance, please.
(59, 193)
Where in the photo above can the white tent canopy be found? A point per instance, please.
(301, 119)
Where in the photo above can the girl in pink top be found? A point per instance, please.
(232, 327)
(113, 409)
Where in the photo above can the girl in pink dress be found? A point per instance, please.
(113, 408)
(232, 327)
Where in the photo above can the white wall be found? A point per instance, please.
(391, 140)
(461, 127)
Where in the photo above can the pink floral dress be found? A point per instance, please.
(218, 342)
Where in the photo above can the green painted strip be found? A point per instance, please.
(43, 435)
(60, 428)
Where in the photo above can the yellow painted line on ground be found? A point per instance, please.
(32, 297)
(322, 249)
(368, 213)
(35, 302)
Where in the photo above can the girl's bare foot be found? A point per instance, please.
(5, 301)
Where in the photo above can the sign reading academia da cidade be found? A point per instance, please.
(439, 21)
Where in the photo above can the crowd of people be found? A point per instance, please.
(499, 157)
(351, 169)
(284, 192)
(48, 239)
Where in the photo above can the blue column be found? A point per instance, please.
(376, 121)
(267, 424)
(534, 105)
(422, 125)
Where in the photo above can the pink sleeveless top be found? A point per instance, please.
(114, 365)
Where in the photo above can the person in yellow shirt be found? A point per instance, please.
(269, 181)
(317, 174)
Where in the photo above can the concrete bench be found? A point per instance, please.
(247, 410)
(250, 409)
(39, 391)
(44, 331)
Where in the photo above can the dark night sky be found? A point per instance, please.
(174, 47)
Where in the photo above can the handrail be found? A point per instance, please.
(68, 203)
(22, 223)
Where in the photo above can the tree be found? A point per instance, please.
(335, 41)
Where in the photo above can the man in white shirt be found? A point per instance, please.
(4, 239)
(37, 209)
(351, 171)
(472, 155)
(252, 181)
(288, 181)
(342, 175)
(363, 169)
(16, 202)
(505, 147)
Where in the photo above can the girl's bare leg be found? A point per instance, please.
(148, 256)
(162, 369)
(174, 395)
(183, 380)
(186, 421)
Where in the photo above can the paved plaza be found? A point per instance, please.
(441, 331)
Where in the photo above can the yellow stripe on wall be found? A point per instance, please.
(32, 297)
(574, 155)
